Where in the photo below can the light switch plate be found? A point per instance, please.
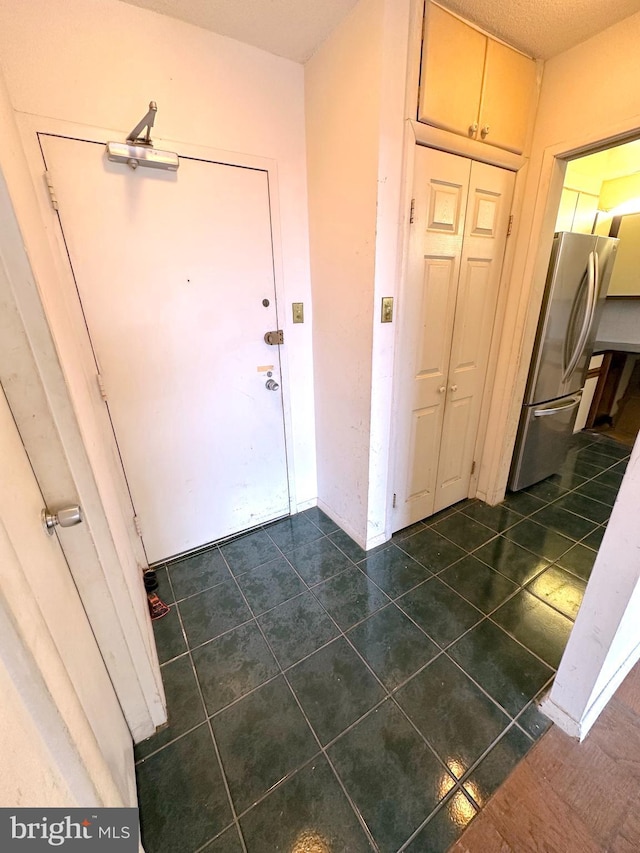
(298, 312)
(387, 309)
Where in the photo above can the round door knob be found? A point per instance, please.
(67, 517)
(485, 131)
(271, 385)
(473, 128)
(454, 388)
(442, 389)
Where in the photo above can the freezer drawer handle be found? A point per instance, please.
(542, 413)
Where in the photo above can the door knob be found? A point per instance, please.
(271, 385)
(69, 516)
(485, 131)
(454, 388)
(473, 128)
(442, 389)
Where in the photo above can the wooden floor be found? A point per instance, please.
(565, 796)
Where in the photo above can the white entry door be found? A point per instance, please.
(175, 274)
(446, 316)
(38, 590)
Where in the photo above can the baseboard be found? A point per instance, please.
(302, 505)
(342, 524)
(560, 717)
(580, 728)
(380, 539)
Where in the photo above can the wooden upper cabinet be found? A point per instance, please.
(508, 97)
(452, 69)
(473, 85)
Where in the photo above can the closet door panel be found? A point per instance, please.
(485, 234)
(426, 315)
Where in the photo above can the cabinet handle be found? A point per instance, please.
(454, 388)
(442, 389)
(473, 128)
(485, 131)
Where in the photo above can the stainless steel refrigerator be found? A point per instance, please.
(577, 282)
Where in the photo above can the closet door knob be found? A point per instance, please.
(473, 128)
(442, 389)
(454, 388)
(485, 131)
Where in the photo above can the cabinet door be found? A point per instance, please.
(567, 210)
(508, 97)
(586, 212)
(451, 78)
(426, 313)
(485, 234)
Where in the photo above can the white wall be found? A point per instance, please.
(604, 643)
(99, 63)
(589, 93)
(392, 210)
(354, 89)
(28, 775)
(102, 556)
(342, 92)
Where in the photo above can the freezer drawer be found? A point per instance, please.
(543, 440)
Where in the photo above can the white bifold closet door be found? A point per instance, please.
(446, 317)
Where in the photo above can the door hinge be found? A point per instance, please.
(473, 468)
(136, 524)
(510, 226)
(395, 498)
(412, 211)
(52, 192)
(101, 388)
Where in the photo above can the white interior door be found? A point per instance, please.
(175, 275)
(457, 241)
(426, 320)
(485, 234)
(45, 606)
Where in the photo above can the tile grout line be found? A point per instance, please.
(457, 788)
(391, 543)
(443, 649)
(236, 823)
(493, 610)
(353, 806)
(391, 600)
(390, 694)
(342, 633)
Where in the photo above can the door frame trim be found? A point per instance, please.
(30, 126)
(101, 553)
(512, 163)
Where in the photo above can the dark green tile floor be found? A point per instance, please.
(322, 698)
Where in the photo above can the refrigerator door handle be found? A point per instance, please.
(543, 413)
(592, 290)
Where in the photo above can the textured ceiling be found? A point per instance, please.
(543, 28)
(295, 28)
(290, 28)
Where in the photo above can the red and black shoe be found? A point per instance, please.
(157, 607)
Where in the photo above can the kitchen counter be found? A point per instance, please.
(616, 346)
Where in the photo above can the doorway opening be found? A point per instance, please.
(600, 199)
(601, 195)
